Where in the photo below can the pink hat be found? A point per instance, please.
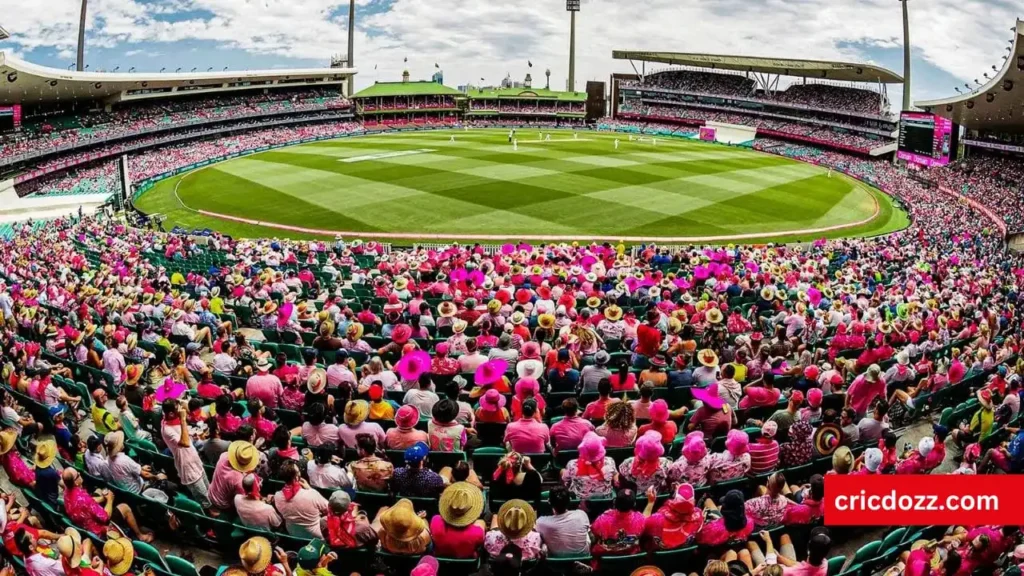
(407, 416)
(694, 448)
(169, 389)
(649, 447)
(427, 566)
(814, 396)
(709, 396)
(412, 365)
(769, 429)
(441, 348)
(592, 448)
(797, 397)
(530, 351)
(492, 401)
(490, 372)
(401, 333)
(659, 411)
(527, 387)
(812, 372)
(736, 442)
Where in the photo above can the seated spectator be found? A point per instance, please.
(842, 461)
(869, 430)
(513, 524)
(808, 502)
(491, 408)
(457, 530)
(646, 468)
(727, 523)
(371, 473)
(444, 432)
(799, 450)
(400, 530)
(528, 389)
(768, 508)
(405, 434)
(98, 514)
(423, 398)
(710, 418)
(324, 472)
(356, 413)
(515, 477)
(527, 435)
(253, 509)
(596, 409)
(618, 531)
(299, 505)
(762, 393)
(566, 533)
(734, 462)
(619, 427)
(764, 452)
(592, 474)
(692, 467)
(415, 479)
(788, 415)
(316, 430)
(343, 527)
(567, 433)
(676, 523)
(660, 423)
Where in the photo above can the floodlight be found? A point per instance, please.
(572, 5)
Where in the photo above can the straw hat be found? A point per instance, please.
(114, 442)
(263, 365)
(7, 440)
(613, 313)
(356, 412)
(546, 321)
(317, 381)
(518, 318)
(354, 331)
(707, 357)
(459, 326)
(46, 452)
(269, 307)
(70, 546)
(119, 554)
(254, 554)
(400, 522)
(243, 456)
(461, 504)
(714, 316)
(516, 519)
(446, 309)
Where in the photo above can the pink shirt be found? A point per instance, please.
(336, 374)
(451, 542)
(347, 434)
(266, 387)
(318, 435)
(862, 392)
(399, 439)
(527, 436)
(568, 432)
(186, 459)
(760, 396)
(302, 513)
(805, 569)
(256, 513)
(226, 484)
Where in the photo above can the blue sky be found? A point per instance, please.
(954, 41)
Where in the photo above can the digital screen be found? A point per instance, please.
(707, 134)
(10, 117)
(572, 5)
(925, 139)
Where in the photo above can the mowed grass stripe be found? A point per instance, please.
(477, 184)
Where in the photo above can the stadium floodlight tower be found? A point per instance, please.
(351, 43)
(572, 6)
(3, 34)
(906, 56)
(80, 62)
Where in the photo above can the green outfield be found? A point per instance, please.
(423, 185)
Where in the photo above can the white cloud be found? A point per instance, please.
(486, 38)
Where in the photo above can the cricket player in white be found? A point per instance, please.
(616, 143)
(515, 145)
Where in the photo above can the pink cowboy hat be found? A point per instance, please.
(526, 387)
(169, 389)
(490, 372)
(530, 351)
(412, 365)
(401, 333)
(709, 396)
(492, 401)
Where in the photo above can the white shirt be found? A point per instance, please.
(39, 565)
(327, 476)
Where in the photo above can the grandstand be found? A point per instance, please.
(831, 104)
(421, 103)
(542, 388)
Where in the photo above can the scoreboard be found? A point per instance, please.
(10, 118)
(927, 139)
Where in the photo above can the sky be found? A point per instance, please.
(953, 41)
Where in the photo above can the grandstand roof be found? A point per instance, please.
(840, 71)
(994, 105)
(418, 88)
(526, 93)
(26, 83)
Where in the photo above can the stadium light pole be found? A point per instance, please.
(351, 43)
(906, 56)
(80, 64)
(3, 34)
(572, 6)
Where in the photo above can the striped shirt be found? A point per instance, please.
(764, 456)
